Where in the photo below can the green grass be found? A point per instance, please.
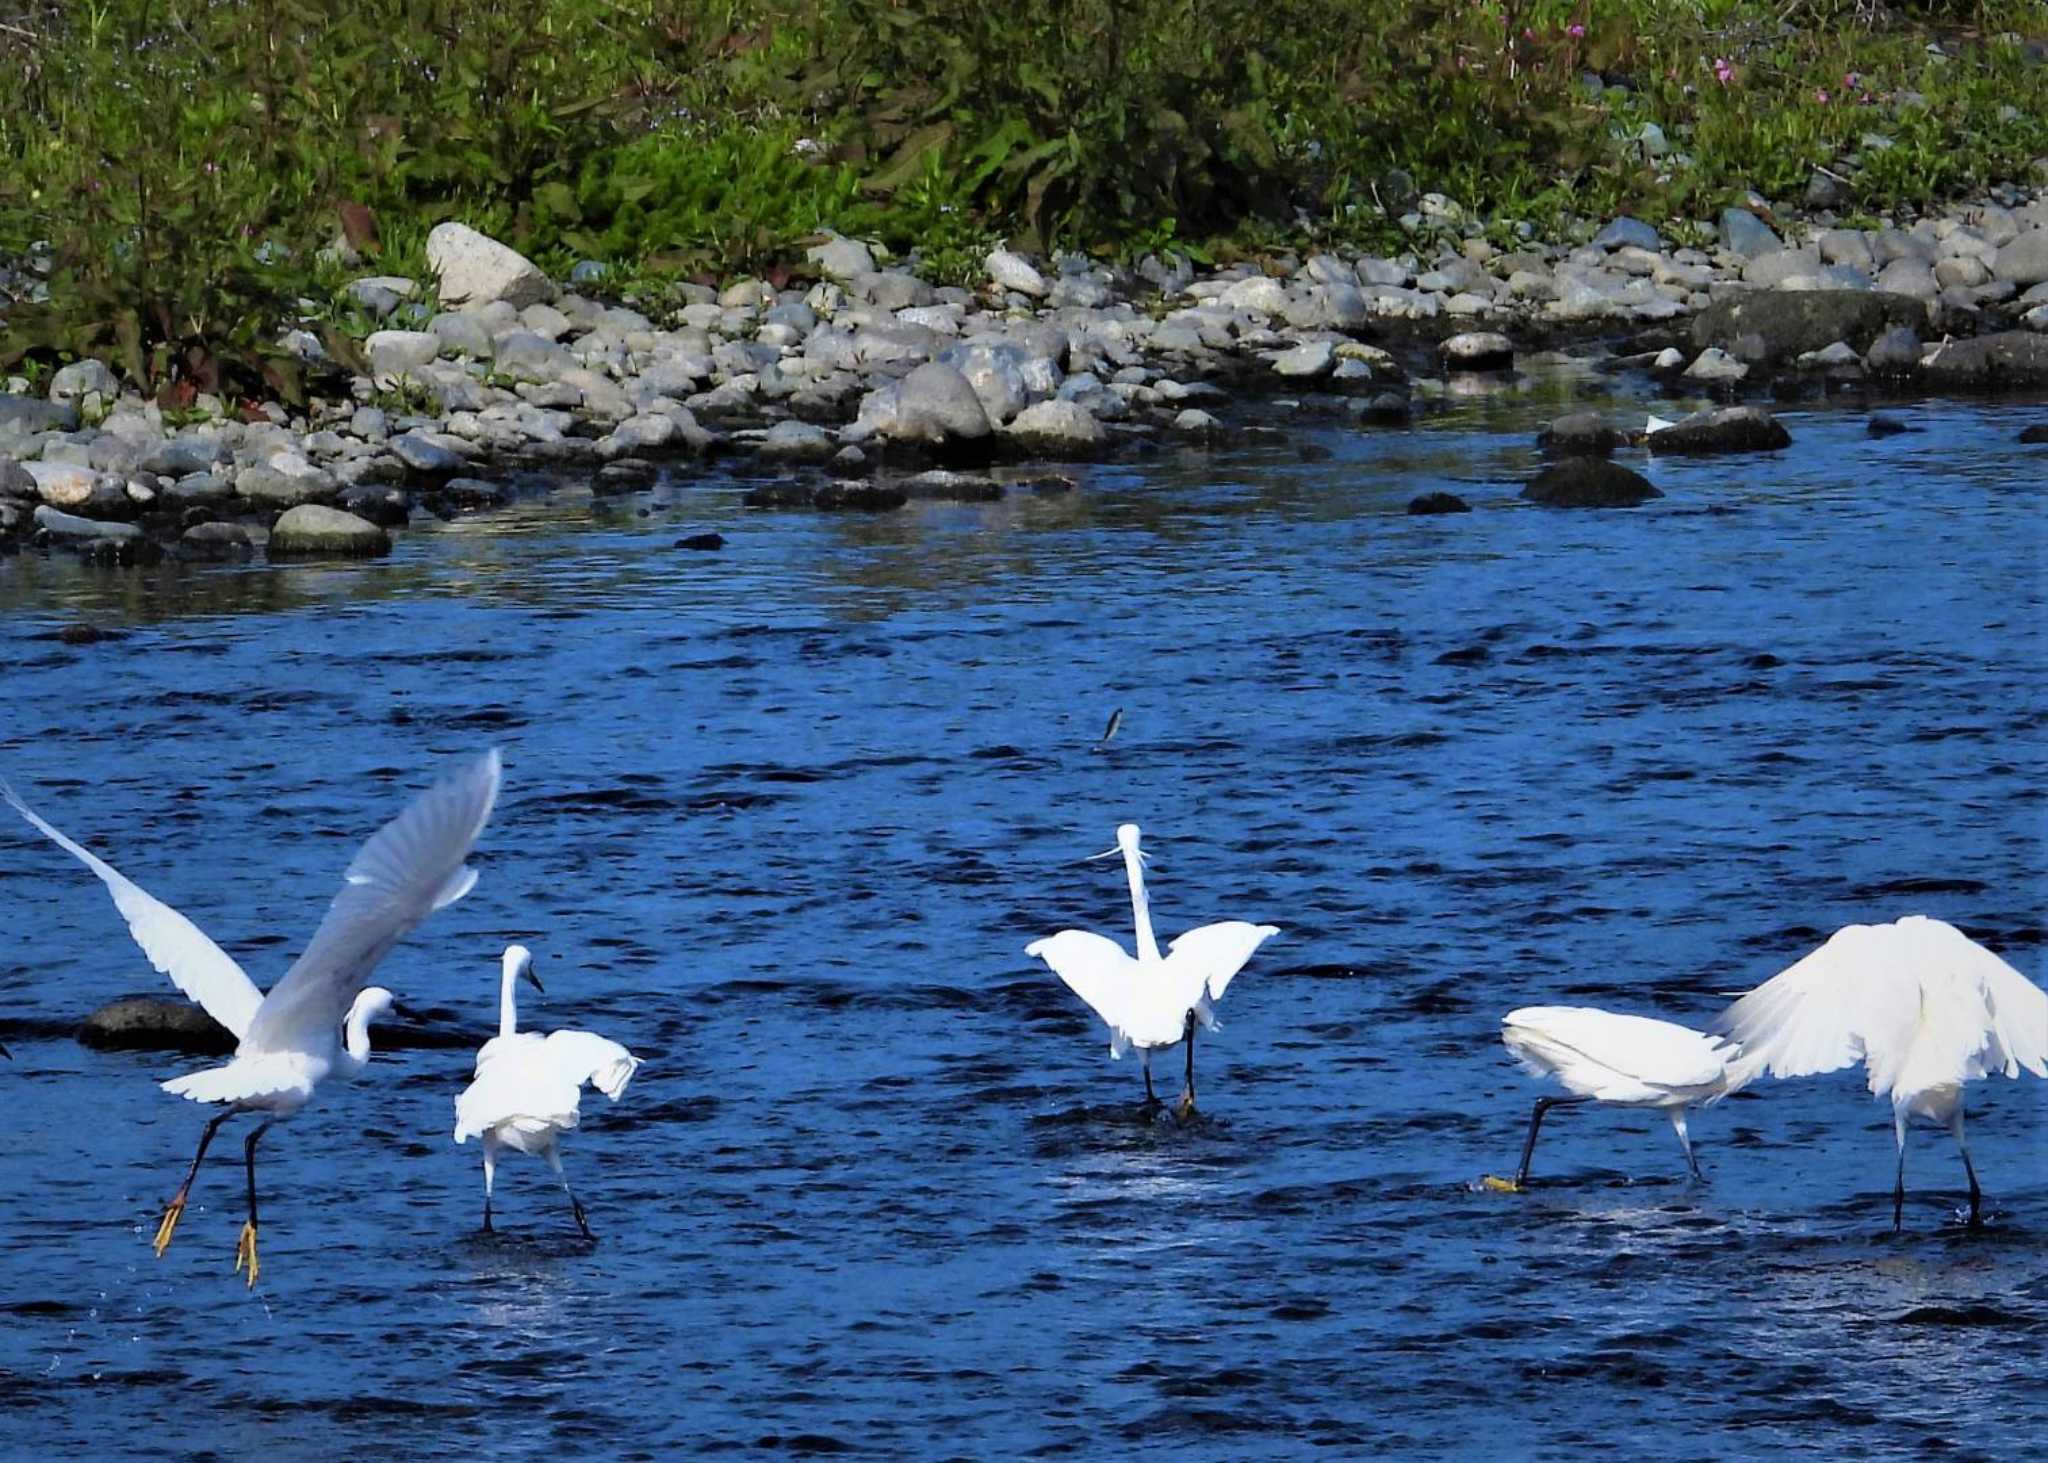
(185, 160)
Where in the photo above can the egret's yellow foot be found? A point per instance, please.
(1499, 1185)
(1184, 1109)
(245, 1251)
(169, 1227)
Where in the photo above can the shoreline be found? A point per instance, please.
(856, 383)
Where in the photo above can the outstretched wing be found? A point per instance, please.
(1204, 960)
(1586, 1040)
(584, 1056)
(410, 868)
(2017, 1007)
(175, 946)
(1096, 969)
(1858, 991)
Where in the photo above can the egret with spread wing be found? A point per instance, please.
(1604, 1056)
(1152, 1001)
(314, 1023)
(1925, 1008)
(528, 1088)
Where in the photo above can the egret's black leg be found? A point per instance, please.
(172, 1215)
(1899, 1185)
(575, 1204)
(490, 1172)
(1976, 1194)
(1187, 1036)
(1151, 1098)
(245, 1250)
(1543, 1105)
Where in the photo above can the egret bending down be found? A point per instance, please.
(528, 1087)
(1924, 1007)
(1152, 1001)
(1603, 1056)
(293, 1039)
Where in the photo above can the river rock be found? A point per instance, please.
(1897, 352)
(74, 486)
(1011, 271)
(155, 1023)
(1589, 482)
(1776, 325)
(2010, 358)
(1742, 232)
(1781, 267)
(475, 269)
(69, 526)
(313, 531)
(1716, 367)
(1441, 503)
(426, 457)
(1057, 429)
(185, 454)
(1580, 434)
(523, 355)
(462, 333)
(22, 417)
(1730, 429)
(996, 371)
(796, 442)
(1477, 350)
(16, 481)
(80, 379)
(1309, 359)
(2035, 435)
(1627, 233)
(934, 405)
(2025, 260)
(272, 488)
(214, 541)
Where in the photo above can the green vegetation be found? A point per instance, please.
(181, 163)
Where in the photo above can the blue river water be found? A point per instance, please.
(782, 819)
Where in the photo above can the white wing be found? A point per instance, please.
(410, 868)
(1654, 1053)
(1096, 969)
(1207, 958)
(584, 1056)
(175, 946)
(520, 1083)
(2017, 1008)
(1856, 993)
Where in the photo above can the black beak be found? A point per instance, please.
(536, 981)
(4, 1052)
(404, 1012)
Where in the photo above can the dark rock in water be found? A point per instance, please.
(942, 486)
(1776, 325)
(153, 1023)
(863, 497)
(120, 552)
(1313, 452)
(1438, 503)
(1387, 408)
(1895, 353)
(2008, 358)
(1884, 426)
(1731, 429)
(214, 541)
(1589, 482)
(2034, 435)
(375, 503)
(1047, 484)
(627, 475)
(704, 542)
(1579, 434)
(779, 495)
(84, 635)
(1469, 655)
(471, 494)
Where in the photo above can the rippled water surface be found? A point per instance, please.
(782, 819)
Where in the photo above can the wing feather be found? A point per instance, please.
(1659, 1053)
(584, 1056)
(1207, 958)
(1096, 969)
(2018, 1009)
(410, 868)
(175, 946)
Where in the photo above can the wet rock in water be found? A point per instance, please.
(1777, 325)
(1716, 367)
(1477, 350)
(470, 495)
(859, 496)
(475, 269)
(1881, 425)
(951, 487)
(2034, 435)
(1580, 434)
(384, 506)
(626, 475)
(796, 442)
(1387, 408)
(70, 527)
(1731, 429)
(1897, 352)
(214, 541)
(1589, 482)
(1313, 452)
(311, 531)
(1058, 429)
(121, 552)
(706, 543)
(154, 1023)
(2008, 358)
(1438, 503)
(84, 635)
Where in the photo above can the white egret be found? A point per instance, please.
(1604, 1056)
(528, 1087)
(1924, 1007)
(1152, 1001)
(292, 1039)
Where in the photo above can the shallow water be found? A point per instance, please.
(782, 819)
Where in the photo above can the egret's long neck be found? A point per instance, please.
(355, 1036)
(1141, 912)
(508, 1008)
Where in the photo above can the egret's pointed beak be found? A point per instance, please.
(528, 973)
(4, 1052)
(404, 1012)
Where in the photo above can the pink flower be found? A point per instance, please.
(1723, 72)
(1849, 82)
(1527, 34)
(1574, 30)
(1820, 95)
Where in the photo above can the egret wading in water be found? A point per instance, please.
(293, 1039)
(1604, 1056)
(1153, 1001)
(528, 1087)
(1925, 1008)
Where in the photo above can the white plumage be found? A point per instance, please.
(1925, 1008)
(528, 1088)
(1153, 1001)
(1605, 1056)
(293, 1039)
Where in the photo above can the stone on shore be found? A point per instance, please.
(1731, 429)
(24, 416)
(69, 526)
(2024, 260)
(155, 1023)
(1742, 232)
(313, 531)
(214, 541)
(1627, 233)
(394, 355)
(1589, 482)
(1580, 434)
(476, 269)
(80, 379)
(1477, 350)
(1777, 326)
(933, 406)
(1014, 272)
(841, 258)
(74, 486)
(2009, 358)
(1058, 429)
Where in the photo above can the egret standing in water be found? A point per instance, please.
(1603, 1056)
(1152, 1001)
(528, 1088)
(294, 1038)
(1925, 1008)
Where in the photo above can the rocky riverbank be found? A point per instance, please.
(854, 384)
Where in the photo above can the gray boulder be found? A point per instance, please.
(1014, 272)
(523, 355)
(1730, 429)
(2024, 260)
(426, 457)
(311, 531)
(214, 541)
(475, 269)
(1627, 233)
(1778, 325)
(1580, 434)
(1058, 429)
(22, 417)
(81, 379)
(273, 489)
(797, 442)
(74, 486)
(934, 405)
(15, 480)
(1589, 482)
(69, 526)
(2011, 358)
(396, 354)
(155, 1023)
(1478, 350)
(1742, 232)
